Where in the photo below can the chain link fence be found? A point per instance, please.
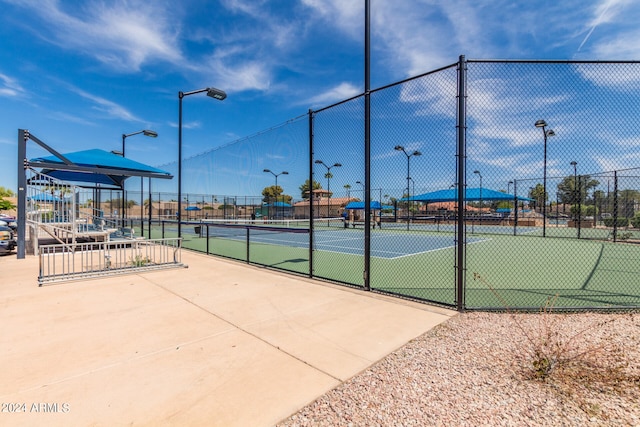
(492, 184)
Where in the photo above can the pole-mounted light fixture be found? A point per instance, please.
(213, 93)
(335, 165)
(477, 172)
(277, 175)
(145, 132)
(409, 155)
(546, 133)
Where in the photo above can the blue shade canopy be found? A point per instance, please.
(360, 205)
(471, 195)
(192, 208)
(277, 205)
(45, 197)
(95, 167)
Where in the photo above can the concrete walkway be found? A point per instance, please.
(217, 344)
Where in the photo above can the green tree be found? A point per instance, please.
(568, 191)
(627, 200)
(275, 194)
(6, 205)
(5, 192)
(538, 195)
(304, 189)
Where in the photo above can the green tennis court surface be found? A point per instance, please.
(523, 270)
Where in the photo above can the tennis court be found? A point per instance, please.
(516, 271)
(330, 236)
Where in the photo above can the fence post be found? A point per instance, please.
(615, 206)
(462, 185)
(515, 203)
(311, 237)
(367, 154)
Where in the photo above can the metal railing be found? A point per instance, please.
(60, 262)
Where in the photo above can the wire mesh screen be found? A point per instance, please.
(413, 147)
(338, 188)
(256, 179)
(549, 133)
(542, 156)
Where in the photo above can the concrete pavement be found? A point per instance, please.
(217, 344)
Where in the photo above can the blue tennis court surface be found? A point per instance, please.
(348, 241)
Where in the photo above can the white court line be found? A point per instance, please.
(358, 251)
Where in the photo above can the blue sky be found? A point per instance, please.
(79, 74)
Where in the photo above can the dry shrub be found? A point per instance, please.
(578, 363)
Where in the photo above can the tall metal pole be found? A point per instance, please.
(213, 93)
(408, 193)
(515, 204)
(179, 213)
(122, 216)
(461, 154)
(544, 186)
(311, 231)
(575, 194)
(23, 136)
(545, 133)
(579, 204)
(150, 208)
(367, 145)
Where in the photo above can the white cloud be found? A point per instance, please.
(9, 87)
(621, 46)
(187, 125)
(237, 75)
(347, 16)
(71, 118)
(108, 107)
(604, 13)
(337, 93)
(123, 35)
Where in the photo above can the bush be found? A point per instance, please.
(622, 222)
(571, 361)
(635, 221)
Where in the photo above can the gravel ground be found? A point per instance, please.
(476, 370)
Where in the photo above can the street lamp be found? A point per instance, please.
(409, 155)
(413, 190)
(145, 132)
(213, 93)
(546, 133)
(328, 176)
(480, 175)
(576, 195)
(509, 192)
(276, 189)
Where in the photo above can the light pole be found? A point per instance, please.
(509, 192)
(413, 191)
(276, 189)
(409, 155)
(145, 132)
(480, 175)
(213, 93)
(328, 176)
(546, 133)
(576, 194)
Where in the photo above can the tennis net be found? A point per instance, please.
(240, 227)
